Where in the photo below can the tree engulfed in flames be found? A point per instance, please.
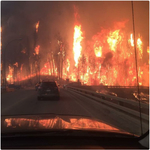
(77, 48)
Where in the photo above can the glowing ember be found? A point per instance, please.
(77, 48)
(23, 51)
(37, 50)
(37, 26)
(16, 64)
(21, 67)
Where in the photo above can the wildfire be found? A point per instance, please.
(77, 48)
(116, 65)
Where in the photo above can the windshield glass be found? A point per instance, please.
(97, 54)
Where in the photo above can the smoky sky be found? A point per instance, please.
(57, 20)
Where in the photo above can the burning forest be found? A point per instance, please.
(108, 58)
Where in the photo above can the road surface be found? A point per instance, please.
(24, 102)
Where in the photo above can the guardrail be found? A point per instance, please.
(132, 87)
(130, 107)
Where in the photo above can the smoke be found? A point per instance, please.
(59, 16)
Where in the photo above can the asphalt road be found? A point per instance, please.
(24, 102)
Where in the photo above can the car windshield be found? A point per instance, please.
(97, 55)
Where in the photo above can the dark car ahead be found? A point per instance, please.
(48, 90)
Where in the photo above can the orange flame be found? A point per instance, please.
(37, 49)
(132, 41)
(37, 26)
(77, 48)
(21, 67)
(68, 65)
(10, 75)
(98, 51)
(16, 64)
(23, 51)
(113, 39)
(139, 46)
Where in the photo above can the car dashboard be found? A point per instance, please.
(77, 140)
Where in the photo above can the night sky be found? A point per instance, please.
(57, 20)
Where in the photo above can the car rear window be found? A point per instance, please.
(49, 84)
